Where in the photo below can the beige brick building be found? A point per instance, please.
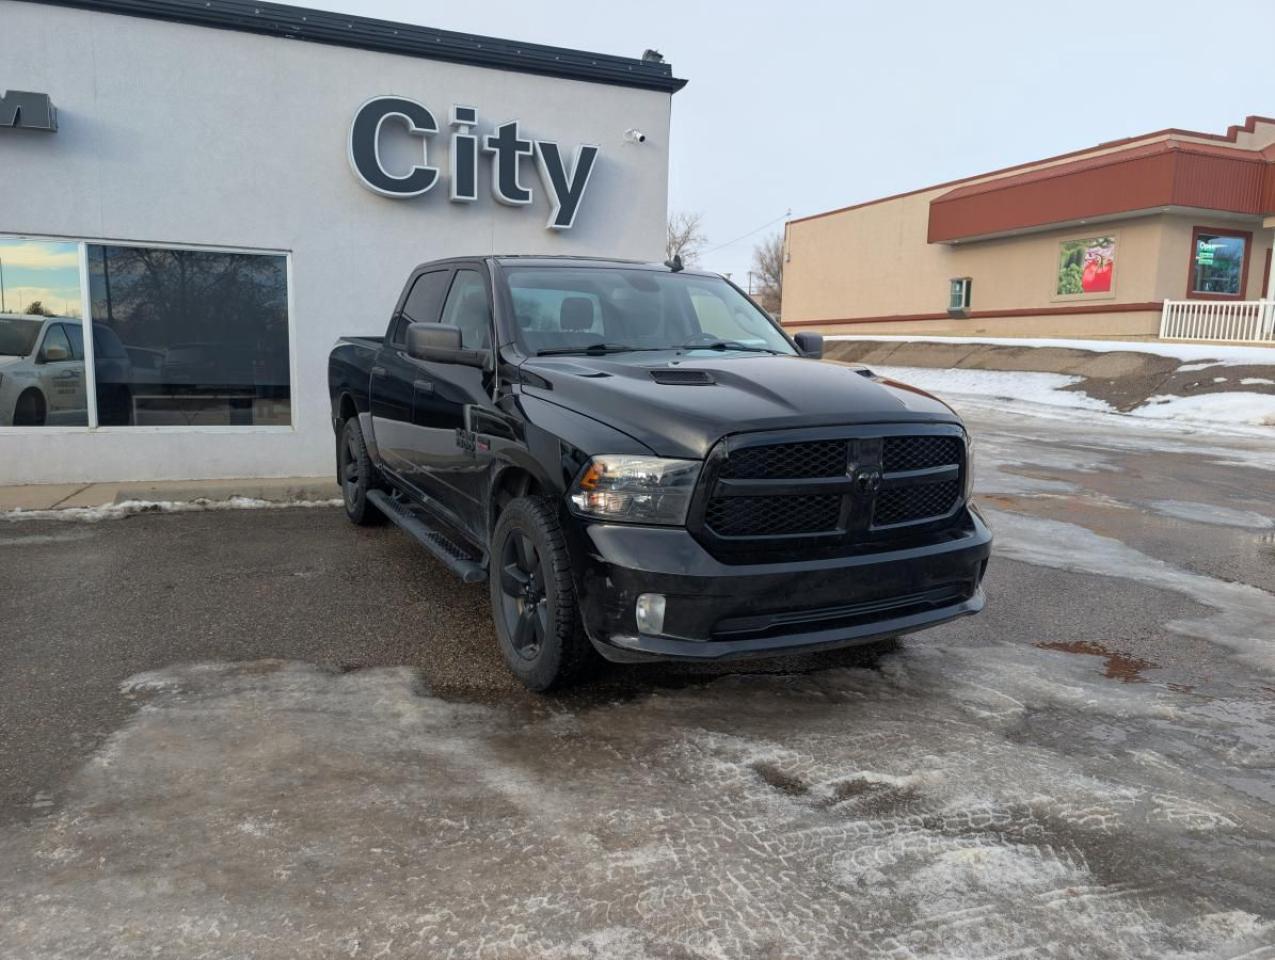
(1087, 244)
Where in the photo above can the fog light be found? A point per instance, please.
(650, 613)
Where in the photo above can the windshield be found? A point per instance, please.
(613, 309)
(18, 335)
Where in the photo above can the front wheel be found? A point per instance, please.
(533, 599)
(30, 410)
(357, 475)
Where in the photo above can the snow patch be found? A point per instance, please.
(690, 823)
(1256, 409)
(1036, 392)
(1212, 514)
(1245, 613)
(129, 508)
(1016, 385)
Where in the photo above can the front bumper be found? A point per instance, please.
(719, 611)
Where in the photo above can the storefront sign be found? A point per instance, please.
(506, 147)
(23, 110)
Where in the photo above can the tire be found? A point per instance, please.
(30, 410)
(357, 475)
(533, 601)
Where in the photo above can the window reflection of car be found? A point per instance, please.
(42, 380)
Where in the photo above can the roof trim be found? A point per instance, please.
(385, 36)
(1145, 306)
(1164, 174)
(1231, 136)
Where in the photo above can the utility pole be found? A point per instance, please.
(3, 309)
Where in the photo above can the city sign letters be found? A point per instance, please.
(565, 184)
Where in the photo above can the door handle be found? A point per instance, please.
(378, 371)
(423, 386)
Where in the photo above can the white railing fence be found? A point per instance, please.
(1251, 321)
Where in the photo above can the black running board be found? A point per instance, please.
(449, 553)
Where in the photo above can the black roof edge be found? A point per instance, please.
(386, 36)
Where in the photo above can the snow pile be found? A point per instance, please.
(1195, 354)
(1047, 389)
(1245, 408)
(128, 508)
(1022, 386)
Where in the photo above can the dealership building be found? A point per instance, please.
(198, 197)
(1172, 228)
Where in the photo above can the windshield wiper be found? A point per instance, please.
(594, 349)
(726, 345)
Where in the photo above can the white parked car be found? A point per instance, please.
(42, 381)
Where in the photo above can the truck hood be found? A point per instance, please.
(746, 393)
(8, 361)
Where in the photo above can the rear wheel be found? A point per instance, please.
(357, 475)
(533, 599)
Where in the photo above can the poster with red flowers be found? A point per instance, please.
(1085, 266)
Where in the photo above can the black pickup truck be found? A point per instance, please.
(640, 462)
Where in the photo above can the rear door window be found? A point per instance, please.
(423, 302)
(467, 309)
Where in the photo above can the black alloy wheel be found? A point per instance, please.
(524, 599)
(357, 475)
(533, 601)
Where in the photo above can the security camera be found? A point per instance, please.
(634, 135)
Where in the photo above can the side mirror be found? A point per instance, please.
(810, 344)
(55, 354)
(440, 342)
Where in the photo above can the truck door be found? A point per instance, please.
(394, 375)
(454, 405)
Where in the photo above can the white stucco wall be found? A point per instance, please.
(178, 134)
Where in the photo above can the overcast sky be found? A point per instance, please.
(811, 106)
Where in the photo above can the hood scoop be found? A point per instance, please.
(683, 378)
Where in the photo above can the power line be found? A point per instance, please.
(784, 216)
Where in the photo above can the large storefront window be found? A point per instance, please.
(1217, 263)
(180, 337)
(42, 376)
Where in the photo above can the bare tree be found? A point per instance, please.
(685, 236)
(36, 308)
(768, 267)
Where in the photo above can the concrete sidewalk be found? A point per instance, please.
(59, 496)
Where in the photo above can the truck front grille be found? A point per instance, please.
(831, 486)
(907, 504)
(918, 453)
(819, 458)
(772, 516)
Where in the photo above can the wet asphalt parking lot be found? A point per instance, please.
(271, 734)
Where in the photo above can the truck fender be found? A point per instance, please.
(511, 461)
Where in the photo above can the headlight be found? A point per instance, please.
(969, 464)
(636, 489)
